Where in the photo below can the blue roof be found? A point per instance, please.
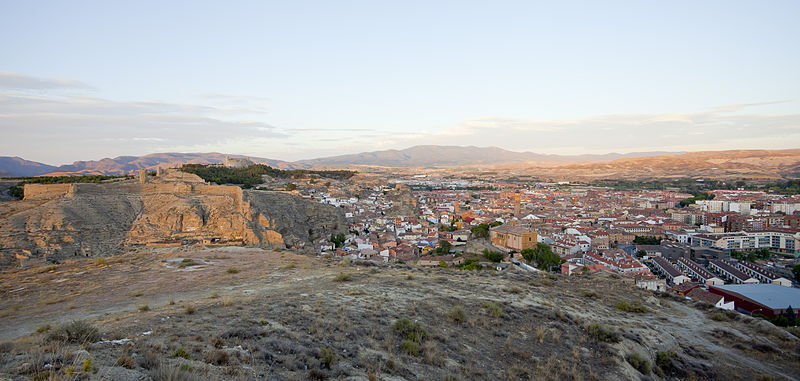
(773, 296)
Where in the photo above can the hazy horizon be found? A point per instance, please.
(293, 81)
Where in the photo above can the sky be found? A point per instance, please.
(290, 80)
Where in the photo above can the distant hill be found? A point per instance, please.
(453, 156)
(17, 166)
(768, 165)
(14, 166)
(751, 164)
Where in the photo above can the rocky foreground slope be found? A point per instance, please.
(59, 221)
(236, 313)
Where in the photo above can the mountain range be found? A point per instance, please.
(747, 163)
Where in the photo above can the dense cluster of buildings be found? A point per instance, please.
(645, 235)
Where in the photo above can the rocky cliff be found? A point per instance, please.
(58, 221)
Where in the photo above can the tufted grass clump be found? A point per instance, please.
(342, 277)
(78, 332)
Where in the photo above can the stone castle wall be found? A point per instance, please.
(51, 191)
(47, 191)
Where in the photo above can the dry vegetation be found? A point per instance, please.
(284, 316)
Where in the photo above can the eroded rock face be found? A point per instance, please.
(96, 220)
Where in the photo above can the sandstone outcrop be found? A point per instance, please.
(64, 220)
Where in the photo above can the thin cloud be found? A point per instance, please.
(740, 106)
(17, 81)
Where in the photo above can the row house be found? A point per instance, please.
(666, 268)
(763, 275)
(698, 272)
(730, 272)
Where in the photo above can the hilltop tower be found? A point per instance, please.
(142, 176)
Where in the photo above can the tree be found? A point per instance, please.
(444, 247)
(291, 186)
(480, 231)
(544, 256)
(791, 318)
(338, 239)
(796, 272)
(492, 255)
(641, 254)
(16, 192)
(527, 254)
(641, 240)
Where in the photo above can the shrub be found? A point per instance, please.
(232, 270)
(589, 294)
(189, 309)
(100, 262)
(410, 330)
(720, 316)
(87, 366)
(43, 328)
(149, 359)
(410, 347)
(493, 256)
(126, 361)
(639, 363)
(493, 309)
(664, 361)
(186, 262)
(636, 307)
(342, 277)
(600, 333)
(75, 332)
(143, 307)
(456, 315)
(181, 353)
(328, 357)
(217, 357)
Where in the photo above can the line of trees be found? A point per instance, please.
(251, 175)
(647, 240)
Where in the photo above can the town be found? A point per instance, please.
(735, 249)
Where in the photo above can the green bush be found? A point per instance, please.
(493, 309)
(410, 330)
(636, 307)
(181, 353)
(328, 357)
(457, 315)
(599, 332)
(410, 348)
(664, 362)
(492, 256)
(639, 363)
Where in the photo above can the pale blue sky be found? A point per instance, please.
(300, 79)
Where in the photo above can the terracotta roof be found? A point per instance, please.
(703, 295)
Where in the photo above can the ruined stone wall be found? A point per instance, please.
(46, 191)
